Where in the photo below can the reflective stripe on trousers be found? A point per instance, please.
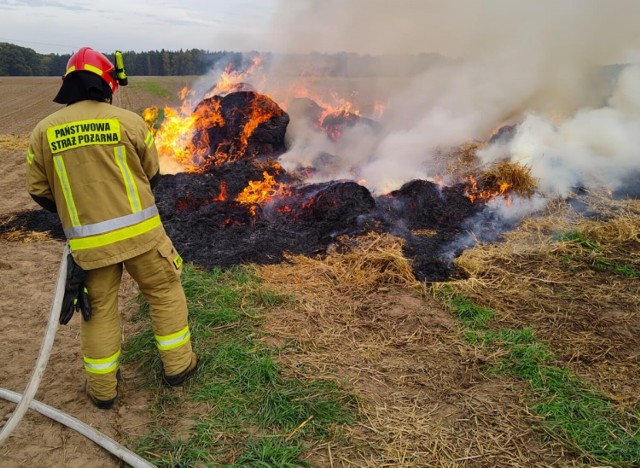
(173, 340)
(103, 365)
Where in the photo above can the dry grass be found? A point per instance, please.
(561, 286)
(359, 316)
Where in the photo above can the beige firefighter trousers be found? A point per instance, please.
(157, 273)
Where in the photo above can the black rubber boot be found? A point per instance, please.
(178, 379)
(104, 404)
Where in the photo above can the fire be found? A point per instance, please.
(231, 78)
(260, 112)
(184, 132)
(258, 192)
(336, 105)
(475, 193)
(222, 196)
(378, 109)
(174, 135)
(174, 138)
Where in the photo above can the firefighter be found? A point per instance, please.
(95, 165)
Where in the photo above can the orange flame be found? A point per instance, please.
(335, 105)
(474, 193)
(230, 78)
(258, 192)
(222, 196)
(260, 111)
(174, 138)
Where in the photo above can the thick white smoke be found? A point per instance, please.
(595, 147)
(537, 64)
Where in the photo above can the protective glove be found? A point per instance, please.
(76, 295)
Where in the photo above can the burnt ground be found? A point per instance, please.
(211, 228)
(307, 220)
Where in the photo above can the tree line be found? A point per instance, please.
(22, 61)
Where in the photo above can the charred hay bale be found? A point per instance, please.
(426, 205)
(332, 205)
(242, 124)
(504, 134)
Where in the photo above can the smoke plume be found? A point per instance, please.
(541, 65)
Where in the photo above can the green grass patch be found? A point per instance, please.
(573, 411)
(576, 237)
(151, 87)
(620, 269)
(256, 416)
(271, 453)
(470, 314)
(593, 258)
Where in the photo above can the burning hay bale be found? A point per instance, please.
(211, 230)
(335, 123)
(235, 203)
(333, 202)
(240, 125)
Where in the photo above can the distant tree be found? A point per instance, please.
(20, 61)
(56, 64)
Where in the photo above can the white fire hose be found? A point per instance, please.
(26, 400)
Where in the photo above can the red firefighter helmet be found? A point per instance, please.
(87, 59)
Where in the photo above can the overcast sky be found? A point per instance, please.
(605, 28)
(60, 26)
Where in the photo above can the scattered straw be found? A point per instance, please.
(575, 281)
(517, 177)
(461, 159)
(359, 317)
(364, 265)
(24, 236)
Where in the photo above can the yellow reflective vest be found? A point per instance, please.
(95, 160)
